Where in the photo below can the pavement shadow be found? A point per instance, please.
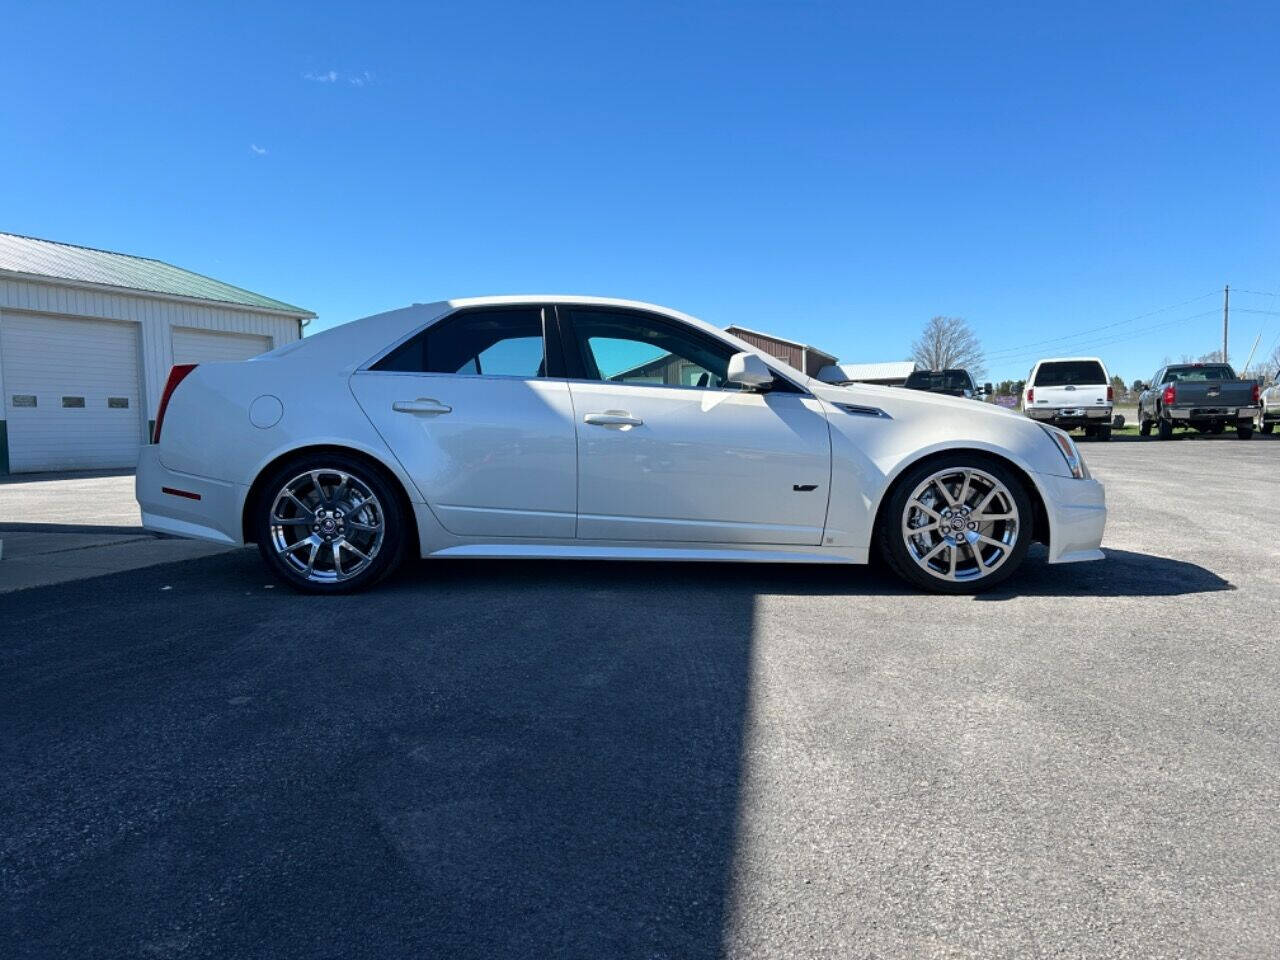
(1123, 573)
(473, 760)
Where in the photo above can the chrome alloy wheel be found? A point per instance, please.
(326, 525)
(960, 524)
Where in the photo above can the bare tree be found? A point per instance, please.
(949, 342)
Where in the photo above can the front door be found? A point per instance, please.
(668, 451)
(486, 436)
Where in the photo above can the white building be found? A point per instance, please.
(886, 374)
(87, 338)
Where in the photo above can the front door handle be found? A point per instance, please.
(612, 418)
(424, 405)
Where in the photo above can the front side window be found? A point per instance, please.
(634, 348)
(486, 343)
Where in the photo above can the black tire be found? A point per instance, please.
(892, 546)
(381, 561)
(1267, 427)
(1244, 430)
(1217, 428)
(1104, 433)
(1166, 428)
(1144, 428)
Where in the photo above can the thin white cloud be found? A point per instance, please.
(359, 78)
(257, 150)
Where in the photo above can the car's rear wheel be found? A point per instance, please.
(959, 525)
(1244, 430)
(1104, 432)
(1144, 428)
(1166, 428)
(1261, 422)
(329, 523)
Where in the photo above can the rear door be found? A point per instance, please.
(667, 451)
(470, 412)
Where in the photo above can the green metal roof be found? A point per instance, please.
(64, 261)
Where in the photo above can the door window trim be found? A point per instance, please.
(575, 370)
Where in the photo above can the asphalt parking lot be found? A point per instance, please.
(660, 761)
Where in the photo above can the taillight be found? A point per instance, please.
(1031, 395)
(1170, 395)
(177, 374)
(1111, 394)
(1256, 395)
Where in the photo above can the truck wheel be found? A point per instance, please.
(1244, 430)
(1260, 422)
(1144, 428)
(1217, 428)
(1166, 428)
(1104, 433)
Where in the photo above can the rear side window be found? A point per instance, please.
(486, 343)
(1064, 373)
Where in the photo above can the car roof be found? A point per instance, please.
(346, 341)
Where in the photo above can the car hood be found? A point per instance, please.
(899, 399)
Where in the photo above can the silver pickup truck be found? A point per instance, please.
(1208, 397)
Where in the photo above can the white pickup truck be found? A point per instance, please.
(1070, 392)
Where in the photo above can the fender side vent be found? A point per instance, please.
(860, 411)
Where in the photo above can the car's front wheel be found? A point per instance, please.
(959, 525)
(329, 524)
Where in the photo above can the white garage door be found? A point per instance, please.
(191, 345)
(72, 393)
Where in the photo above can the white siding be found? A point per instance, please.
(150, 320)
(193, 345)
(93, 363)
(155, 315)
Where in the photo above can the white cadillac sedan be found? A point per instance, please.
(584, 427)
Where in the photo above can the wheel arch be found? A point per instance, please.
(1040, 527)
(385, 470)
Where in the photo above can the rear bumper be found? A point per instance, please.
(1077, 512)
(1211, 413)
(183, 505)
(1074, 417)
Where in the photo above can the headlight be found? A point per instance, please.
(1067, 447)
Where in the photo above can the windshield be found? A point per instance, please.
(1215, 371)
(940, 381)
(1062, 373)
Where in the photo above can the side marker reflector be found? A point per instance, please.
(172, 491)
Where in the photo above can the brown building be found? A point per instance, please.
(799, 355)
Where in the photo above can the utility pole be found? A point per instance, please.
(1226, 312)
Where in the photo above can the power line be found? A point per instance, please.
(1106, 326)
(1093, 345)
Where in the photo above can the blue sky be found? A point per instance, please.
(837, 173)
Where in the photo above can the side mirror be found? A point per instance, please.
(1139, 386)
(748, 370)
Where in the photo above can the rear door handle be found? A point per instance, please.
(423, 405)
(612, 419)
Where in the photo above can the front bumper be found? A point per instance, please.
(183, 505)
(1077, 512)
